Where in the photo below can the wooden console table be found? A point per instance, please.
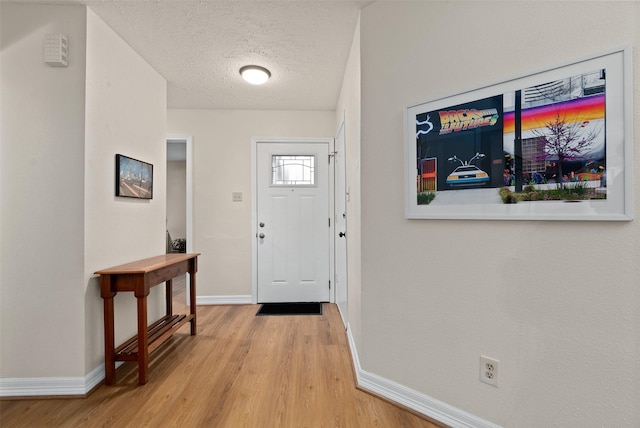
(139, 277)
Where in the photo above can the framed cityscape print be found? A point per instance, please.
(553, 145)
(134, 178)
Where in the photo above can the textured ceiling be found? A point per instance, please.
(199, 46)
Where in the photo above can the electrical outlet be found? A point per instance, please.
(489, 369)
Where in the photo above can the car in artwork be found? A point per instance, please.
(467, 175)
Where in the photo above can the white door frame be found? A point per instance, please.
(341, 289)
(254, 204)
(188, 141)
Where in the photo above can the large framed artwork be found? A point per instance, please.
(553, 145)
(134, 178)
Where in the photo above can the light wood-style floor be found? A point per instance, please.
(239, 371)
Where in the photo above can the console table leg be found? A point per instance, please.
(143, 341)
(169, 296)
(109, 342)
(192, 301)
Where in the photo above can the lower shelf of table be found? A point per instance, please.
(158, 333)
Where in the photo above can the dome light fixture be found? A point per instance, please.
(255, 74)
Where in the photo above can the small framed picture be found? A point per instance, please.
(134, 178)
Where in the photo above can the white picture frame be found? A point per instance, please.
(589, 100)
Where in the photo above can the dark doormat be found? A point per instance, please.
(290, 309)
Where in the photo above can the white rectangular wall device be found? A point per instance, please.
(56, 50)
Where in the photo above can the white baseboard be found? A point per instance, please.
(411, 399)
(224, 300)
(52, 386)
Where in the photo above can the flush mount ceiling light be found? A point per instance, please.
(255, 74)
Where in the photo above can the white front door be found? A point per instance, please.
(293, 226)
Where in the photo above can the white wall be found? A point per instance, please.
(177, 199)
(348, 106)
(126, 114)
(42, 195)
(221, 166)
(556, 302)
(61, 129)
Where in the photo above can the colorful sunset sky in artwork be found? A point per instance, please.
(579, 109)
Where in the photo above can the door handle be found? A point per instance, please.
(261, 236)
(342, 234)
